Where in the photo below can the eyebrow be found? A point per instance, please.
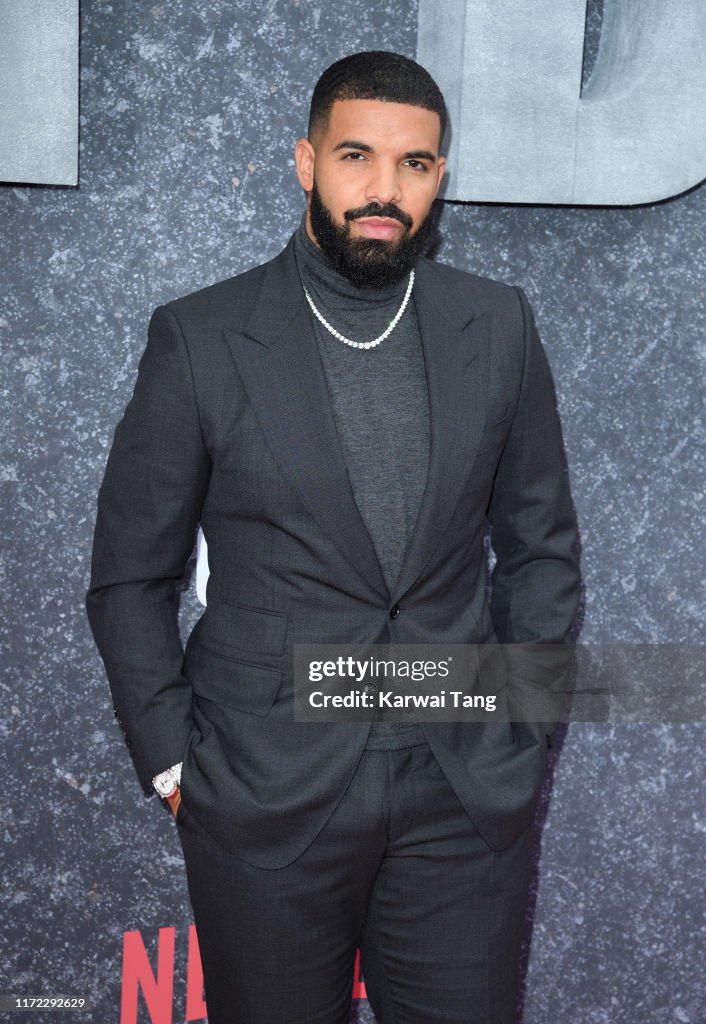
(415, 154)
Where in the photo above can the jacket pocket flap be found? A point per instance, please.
(243, 627)
(235, 684)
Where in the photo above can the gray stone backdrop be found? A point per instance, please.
(189, 112)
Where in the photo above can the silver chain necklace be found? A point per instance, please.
(363, 344)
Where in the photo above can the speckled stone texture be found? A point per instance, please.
(189, 112)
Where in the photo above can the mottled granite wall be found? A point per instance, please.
(189, 114)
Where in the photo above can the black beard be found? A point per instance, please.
(371, 262)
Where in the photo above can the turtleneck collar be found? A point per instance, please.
(325, 282)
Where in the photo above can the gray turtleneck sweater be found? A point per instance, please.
(381, 410)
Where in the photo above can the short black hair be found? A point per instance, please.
(375, 75)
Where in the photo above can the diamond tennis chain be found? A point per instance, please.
(363, 344)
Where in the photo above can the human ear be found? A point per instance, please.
(305, 158)
(440, 168)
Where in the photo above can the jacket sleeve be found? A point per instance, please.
(535, 581)
(149, 507)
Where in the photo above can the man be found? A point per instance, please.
(342, 422)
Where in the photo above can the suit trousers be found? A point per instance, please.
(399, 871)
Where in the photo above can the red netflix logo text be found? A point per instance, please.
(152, 987)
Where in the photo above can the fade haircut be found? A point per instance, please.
(375, 75)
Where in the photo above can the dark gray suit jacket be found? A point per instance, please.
(230, 426)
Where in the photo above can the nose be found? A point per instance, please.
(383, 184)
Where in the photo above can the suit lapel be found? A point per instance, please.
(278, 359)
(455, 345)
(281, 369)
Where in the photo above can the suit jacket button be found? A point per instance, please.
(394, 612)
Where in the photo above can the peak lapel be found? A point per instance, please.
(279, 362)
(455, 345)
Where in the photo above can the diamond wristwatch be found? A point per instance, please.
(167, 782)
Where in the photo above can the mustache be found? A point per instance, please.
(376, 210)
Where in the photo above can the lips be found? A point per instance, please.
(379, 227)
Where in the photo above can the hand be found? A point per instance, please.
(174, 800)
